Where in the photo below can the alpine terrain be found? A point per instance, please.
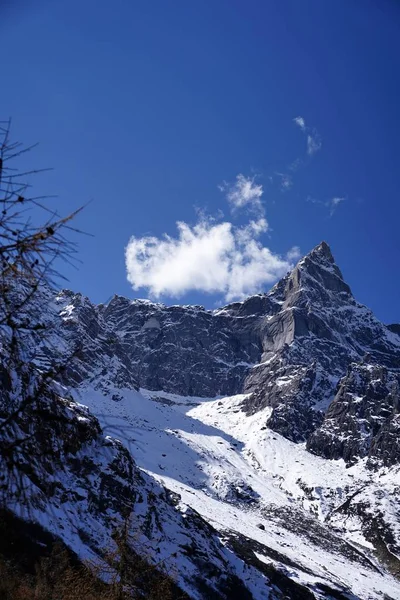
(255, 448)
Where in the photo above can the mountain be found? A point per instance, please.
(258, 442)
(395, 327)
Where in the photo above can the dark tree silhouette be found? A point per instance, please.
(33, 240)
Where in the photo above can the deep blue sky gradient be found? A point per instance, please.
(145, 107)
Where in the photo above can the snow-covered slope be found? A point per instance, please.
(256, 488)
(287, 349)
(256, 446)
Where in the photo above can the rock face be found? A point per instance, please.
(363, 419)
(287, 349)
(319, 330)
(185, 349)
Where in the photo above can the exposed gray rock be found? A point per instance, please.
(385, 446)
(286, 349)
(186, 350)
(309, 343)
(363, 419)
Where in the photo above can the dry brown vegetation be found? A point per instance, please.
(35, 566)
(57, 579)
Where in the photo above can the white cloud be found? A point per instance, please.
(293, 254)
(300, 122)
(209, 257)
(285, 178)
(334, 203)
(331, 204)
(245, 192)
(314, 141)
(286, 181)
(295, 165)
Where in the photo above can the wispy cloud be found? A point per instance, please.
(332, 204)
(244, 193)
(285, 181)
(314, 143)
(295, 165)
(285, 177)
(314, 140)
(210, 256)
(300, 122)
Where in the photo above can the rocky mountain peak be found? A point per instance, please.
(287, 349)
(317, 330)
(317, 271)
(322, 252)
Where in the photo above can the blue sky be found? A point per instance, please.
(153, 109)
